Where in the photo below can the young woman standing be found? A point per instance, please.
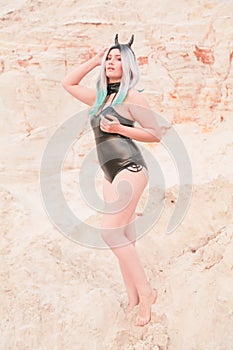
(115, 107)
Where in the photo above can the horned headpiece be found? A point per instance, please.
(117, 44)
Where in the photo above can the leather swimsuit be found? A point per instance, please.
(115, 152)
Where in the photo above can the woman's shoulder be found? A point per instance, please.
(136, 97)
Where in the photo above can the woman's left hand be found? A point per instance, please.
(111, 125)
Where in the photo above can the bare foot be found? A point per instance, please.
(144, 312)
(132, 303)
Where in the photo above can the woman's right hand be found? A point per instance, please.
(98, 57)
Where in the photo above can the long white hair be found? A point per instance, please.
(130, 77)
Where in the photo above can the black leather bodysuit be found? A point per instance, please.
(115, 152)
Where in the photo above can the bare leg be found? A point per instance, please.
(115, 235)
(129, 259)
(132, 293)
(130, 234)
(133, 297)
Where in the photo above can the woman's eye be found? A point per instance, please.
(114, 59)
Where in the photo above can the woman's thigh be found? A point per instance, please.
(122, 196)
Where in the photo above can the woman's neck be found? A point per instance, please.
(113, 88)
(112, 81)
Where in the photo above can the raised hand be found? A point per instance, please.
(98, 57)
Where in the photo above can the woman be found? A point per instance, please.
(116, 105)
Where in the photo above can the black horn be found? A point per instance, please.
(116, 40)
(131, 41)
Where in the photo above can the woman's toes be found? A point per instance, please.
(142, 321)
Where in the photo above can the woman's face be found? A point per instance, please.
(113, 66)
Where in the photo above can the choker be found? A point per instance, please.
(113, 87)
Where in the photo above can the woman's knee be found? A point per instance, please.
(113, 229)
(113, 237)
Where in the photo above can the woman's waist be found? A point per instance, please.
(117, 145)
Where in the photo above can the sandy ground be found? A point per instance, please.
(57, 294)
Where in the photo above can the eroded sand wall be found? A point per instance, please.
(59, 295)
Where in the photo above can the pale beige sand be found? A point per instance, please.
(56, 294)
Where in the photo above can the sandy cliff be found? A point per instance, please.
(56, 294)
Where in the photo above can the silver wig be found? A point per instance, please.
(130, 75)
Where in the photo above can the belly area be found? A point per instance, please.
(116, 153)
(114, 148)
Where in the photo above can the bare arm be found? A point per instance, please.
(141, 113)
(72, 80)
(139, 134)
